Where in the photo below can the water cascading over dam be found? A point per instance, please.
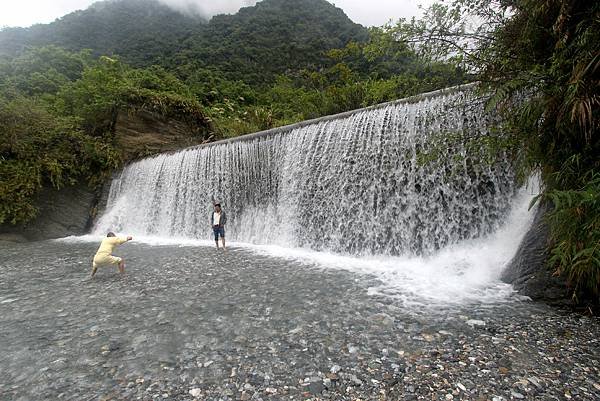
(368, 182)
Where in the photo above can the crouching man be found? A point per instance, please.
(104, 255)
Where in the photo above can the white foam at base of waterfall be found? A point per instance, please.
(460, 274)
(464, 273)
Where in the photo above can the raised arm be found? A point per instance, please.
(122, 240)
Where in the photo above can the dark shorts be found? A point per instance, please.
(219, 231)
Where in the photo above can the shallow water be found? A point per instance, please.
(246, 325)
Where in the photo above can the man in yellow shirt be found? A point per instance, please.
(104, 255)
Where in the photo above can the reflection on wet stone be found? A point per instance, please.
(180, 326)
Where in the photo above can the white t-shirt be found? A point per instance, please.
(216, 218)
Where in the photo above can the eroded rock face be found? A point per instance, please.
(65, 212)
(528, 272)
(143, 134)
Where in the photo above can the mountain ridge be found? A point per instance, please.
(105, 28)
(253, 45)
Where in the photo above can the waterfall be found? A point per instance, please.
(354, 184)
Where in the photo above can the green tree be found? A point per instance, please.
(38, 149)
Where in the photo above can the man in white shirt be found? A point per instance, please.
(217, 222)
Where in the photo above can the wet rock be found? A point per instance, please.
(475, 322)
(64, 212)
(382, 319)
(316, 387)
(528, 271)
(504, 362)
(12, 237)
(355, 380)
(195, 392)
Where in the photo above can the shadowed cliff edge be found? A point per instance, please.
(528, 271)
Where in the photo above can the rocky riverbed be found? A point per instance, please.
(189, 323)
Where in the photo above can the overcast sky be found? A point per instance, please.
(366, 12)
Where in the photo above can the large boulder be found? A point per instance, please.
(528, 271)
(142, 133)
(64, 212)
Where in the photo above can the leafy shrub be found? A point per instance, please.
(40, 149)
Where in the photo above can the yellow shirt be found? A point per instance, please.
(109, 243)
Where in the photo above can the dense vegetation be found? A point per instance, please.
(274, 37)
(253, 46)
(142, 32)
(541, 60)
(357, 75)
(278, 62)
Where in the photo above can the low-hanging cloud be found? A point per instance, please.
(371, 12)
(208, 8)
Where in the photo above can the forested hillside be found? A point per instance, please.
(273, 37)
(143, 32)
